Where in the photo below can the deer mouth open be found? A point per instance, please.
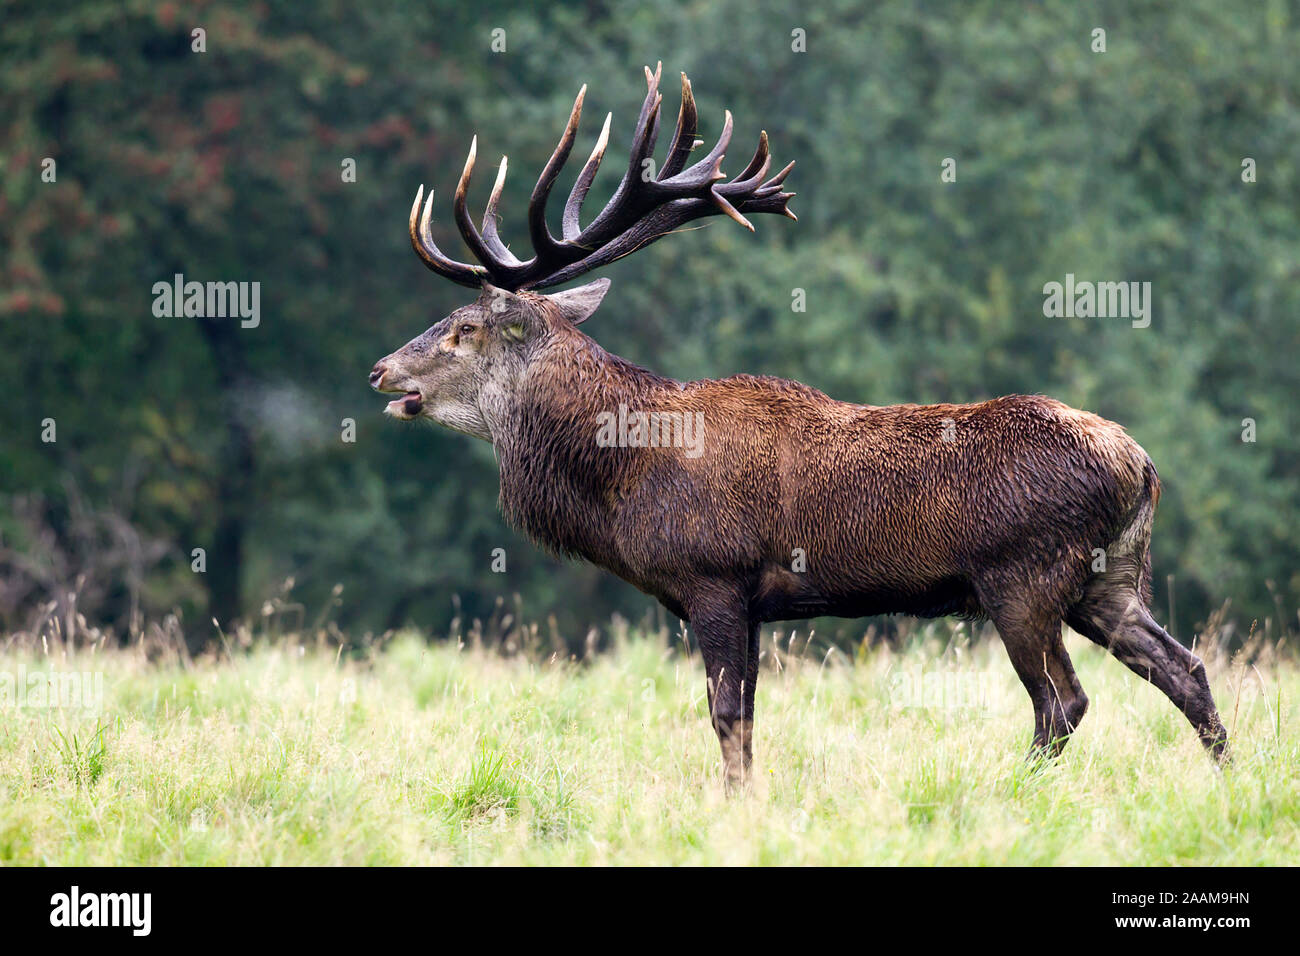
(407, 406)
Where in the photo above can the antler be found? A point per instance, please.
(642, 209)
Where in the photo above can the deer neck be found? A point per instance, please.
(558, 484)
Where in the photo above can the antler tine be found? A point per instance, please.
(770, 198)
(465, 224)
(652, 81)
(428, 251)
(773, 203)
(773, 185)
(547, 248)
(728, 209)
(572, 224)
(643, 143)
(625, 206)
(491, 239)
(709, 169)
(757, 168)
(684, 138)
(745, 184)
(647, 124)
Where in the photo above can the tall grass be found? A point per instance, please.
(285, 751)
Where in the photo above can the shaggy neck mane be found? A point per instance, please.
(557, 484)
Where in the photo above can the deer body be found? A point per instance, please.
(889, 516)
(789, 504)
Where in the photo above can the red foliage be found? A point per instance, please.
(222, 112)
(390, 129)
(166, 15)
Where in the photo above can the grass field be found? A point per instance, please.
(433, 754)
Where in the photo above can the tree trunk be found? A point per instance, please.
(234, 481)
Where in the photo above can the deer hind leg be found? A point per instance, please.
(1113, 614)
(1033, 642)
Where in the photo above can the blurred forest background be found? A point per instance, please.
(228, 164)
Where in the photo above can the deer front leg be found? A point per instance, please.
(729, 645)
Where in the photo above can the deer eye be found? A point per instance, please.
(466, 330)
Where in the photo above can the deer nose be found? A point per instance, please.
(377, 374)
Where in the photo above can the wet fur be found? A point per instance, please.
(1003, 521)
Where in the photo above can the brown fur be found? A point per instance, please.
(1003, 520)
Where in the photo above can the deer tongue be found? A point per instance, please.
(409, 404)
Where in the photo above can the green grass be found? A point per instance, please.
(429, 754)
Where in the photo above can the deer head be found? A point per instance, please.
(466, 365)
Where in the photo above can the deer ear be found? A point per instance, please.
(509, 313)
(576, 305)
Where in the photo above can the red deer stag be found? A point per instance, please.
(1000, 509)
